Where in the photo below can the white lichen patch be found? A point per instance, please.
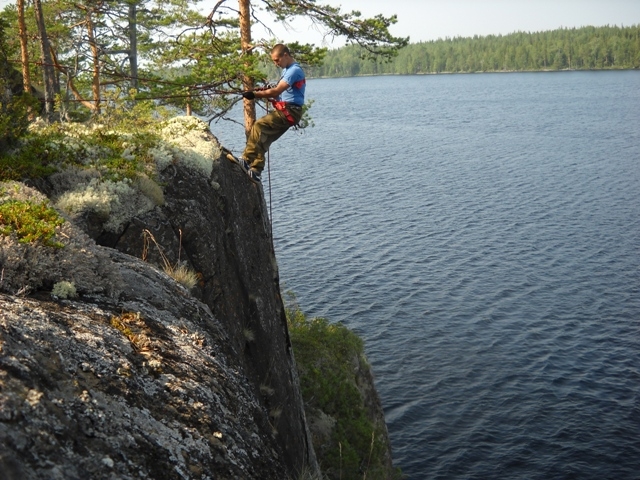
(113, 172)
(162, 155)
(193, 144)
(117, 202)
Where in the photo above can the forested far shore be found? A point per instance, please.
(586, 48)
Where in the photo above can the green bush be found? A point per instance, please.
(328, 356)
(31, 222)
(14, 118)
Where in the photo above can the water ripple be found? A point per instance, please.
(483, 237)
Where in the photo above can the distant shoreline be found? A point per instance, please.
(549, 70)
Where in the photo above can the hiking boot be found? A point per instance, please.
(244, 164)
(254, 176)
(240, 161)
(229, 155)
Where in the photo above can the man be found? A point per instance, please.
(287, 98)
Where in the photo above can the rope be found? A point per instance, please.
(270, 204)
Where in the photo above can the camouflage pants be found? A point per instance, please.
(264, 132)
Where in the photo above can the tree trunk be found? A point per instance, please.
(95, 81)
(24, 52)
(48, 73)
(70, 84)
(133, 44)
(245, 43)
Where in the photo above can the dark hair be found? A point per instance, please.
(280, 49)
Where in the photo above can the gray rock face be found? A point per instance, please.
(219, 226)
(110, 369)
(138, 377)
(133, 388)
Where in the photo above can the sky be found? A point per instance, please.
(424, 20)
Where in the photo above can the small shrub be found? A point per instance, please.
(37, 156)
(249, 336)
(31, 222)
(14, 119)
(14, 109)
(266, 390)
(64, 289)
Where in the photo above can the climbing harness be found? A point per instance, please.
(282, 108)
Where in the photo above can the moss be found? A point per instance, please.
(37, 156)
(31, 222)
(328, 356)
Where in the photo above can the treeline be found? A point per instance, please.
(608, 47)
(78, 55)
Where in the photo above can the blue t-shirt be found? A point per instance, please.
(292, 75)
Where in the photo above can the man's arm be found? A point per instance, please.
(272, 92)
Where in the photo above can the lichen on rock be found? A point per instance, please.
(27, 267)
(80, 399)
(137, 376)
(195, 146)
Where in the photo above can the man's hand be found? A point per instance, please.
(249, 95)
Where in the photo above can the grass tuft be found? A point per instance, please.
(183, 275)
(179, 272)
(249, 336)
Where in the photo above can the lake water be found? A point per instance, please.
(482, 234)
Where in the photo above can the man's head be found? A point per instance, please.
(281, 55)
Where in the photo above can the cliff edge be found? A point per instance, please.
(109, 367)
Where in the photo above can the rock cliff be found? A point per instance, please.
(132, 375)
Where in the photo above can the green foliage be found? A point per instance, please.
(44, 152)
(31, 222)
(117, 143)
(14, 118)
(181, 57)
(371, 34)
(577, 48)
(125, 112)
(325, 354)
(15, 105)
(36, 156)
